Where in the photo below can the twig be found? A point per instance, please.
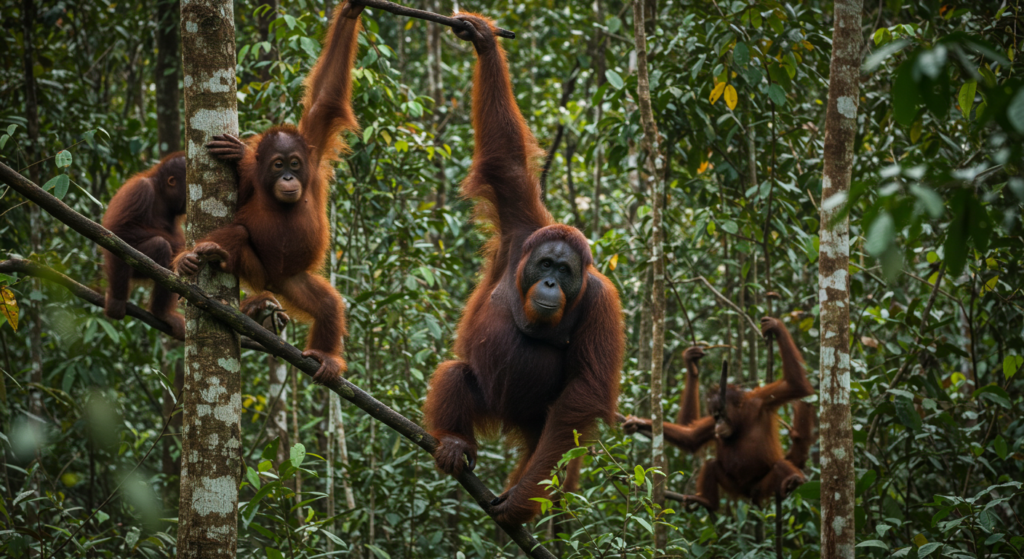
(686, 315)
(920, 330)
(242, 324)
(724, 299)
(400, 10)
(29, 268)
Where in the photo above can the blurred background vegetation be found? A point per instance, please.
(738, 89)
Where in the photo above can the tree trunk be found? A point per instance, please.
(168, 69)
(654, 160)
(277, 397)
(837, 473)
(211, 432)
(28, 19)
(171, 467)
(599, 69)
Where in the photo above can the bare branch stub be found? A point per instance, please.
(401, 10)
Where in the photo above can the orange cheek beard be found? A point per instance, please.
(536, 318)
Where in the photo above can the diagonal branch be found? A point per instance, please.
(244, 325)
(401, 10)
(723, 299)
(29, 268)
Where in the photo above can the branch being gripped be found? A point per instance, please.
(242, 324)
(36, 270)
(401, 10)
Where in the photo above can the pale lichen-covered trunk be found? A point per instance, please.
(211, 434)
(652, 150)
(837, 473)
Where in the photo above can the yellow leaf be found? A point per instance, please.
(920, 540)
(717, 92)
(990, 285)
(613, 263)
(915, 131)
(9, 307)
(807, 45)
(957, 378)
(806, 324)
(408, 24)
(730, 97)
(703, 167)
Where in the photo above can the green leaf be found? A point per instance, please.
(270, 451)
(966, 97)
(51, 183)
(11, 129)
(274, 554)
(110, 330)
(777, 95)
(955, 247)
(63, 158)
(999, 445)
(873, 543)
(132, 538)
(3, 140)
(741, 54)
(63, 183)
(873, 60)
(1012, 364)
(638, 474)
(927, 549)
(907, 415)
(881, 234)
(995, 394)
(905, 96)
(380, 553)
(297, 454)
(644, 523)
(810, 490)
(254, 478)
(980, 225)
(1015, 111)
(614, 78)
(931, 201)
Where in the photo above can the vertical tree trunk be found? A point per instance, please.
(753, 373)
(654, 163)
(168, 66)
(168, 132)
(335, 421)
(837, 473)
(171, 467)
(28, 19)
(599, 69)
(211, 434)
(436, 90)
(277, 397)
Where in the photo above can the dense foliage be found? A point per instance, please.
(738, 90)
